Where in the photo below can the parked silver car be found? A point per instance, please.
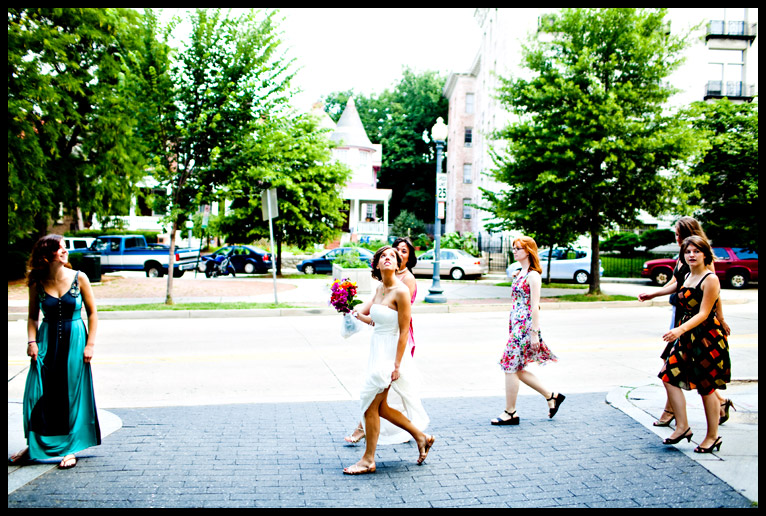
(454, 263)
(566, 264)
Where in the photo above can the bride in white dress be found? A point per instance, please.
(388, 365)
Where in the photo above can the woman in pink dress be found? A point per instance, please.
(525, 344)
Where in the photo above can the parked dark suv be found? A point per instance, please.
(734, 266)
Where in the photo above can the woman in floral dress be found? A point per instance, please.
(525, 344)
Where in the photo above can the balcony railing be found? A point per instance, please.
(731, 89)
(731, 29)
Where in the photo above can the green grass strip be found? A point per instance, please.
(194, 306)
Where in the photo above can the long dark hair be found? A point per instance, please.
(375, 259)
(40, 260)
(412, 259)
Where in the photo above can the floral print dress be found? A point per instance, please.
(518, 351)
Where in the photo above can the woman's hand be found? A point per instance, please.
(644, 297)
(673, 334)
(534, 340)
(395, 374)
(32, 350)
(87, 355)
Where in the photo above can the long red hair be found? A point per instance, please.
(530, 247)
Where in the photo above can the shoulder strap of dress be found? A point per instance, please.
(703, 279)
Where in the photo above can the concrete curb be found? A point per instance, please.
(417, 309)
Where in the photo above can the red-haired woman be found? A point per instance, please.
(59, 408)
(525, 343)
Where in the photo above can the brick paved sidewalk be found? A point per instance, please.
(292, 455)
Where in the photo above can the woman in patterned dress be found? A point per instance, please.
(684, 228)
(59, 410)
(525, 344)
(699, 358)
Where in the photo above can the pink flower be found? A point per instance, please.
(342, 296)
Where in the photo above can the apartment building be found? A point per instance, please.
(721, 61)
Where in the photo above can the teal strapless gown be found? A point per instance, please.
(59, 405)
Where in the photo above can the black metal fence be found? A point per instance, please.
(498, 249)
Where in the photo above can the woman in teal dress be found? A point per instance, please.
(59, 407)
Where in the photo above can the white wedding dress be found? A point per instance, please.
(380, 365)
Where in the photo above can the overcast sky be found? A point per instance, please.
(365, 49)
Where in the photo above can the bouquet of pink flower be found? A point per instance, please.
(342, 299)
(342, 296)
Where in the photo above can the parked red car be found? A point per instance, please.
(734, 266)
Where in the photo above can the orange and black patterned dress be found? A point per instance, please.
(698, 359)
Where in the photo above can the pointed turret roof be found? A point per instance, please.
(349, 131)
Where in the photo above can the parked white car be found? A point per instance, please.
(454, 263)
(566, 264)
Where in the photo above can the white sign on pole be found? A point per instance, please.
(269, 207)
(441, 187)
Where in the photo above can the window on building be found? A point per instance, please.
(467, 173)
(725, 72)
(469, 97)
(468, 136)
(467, 210)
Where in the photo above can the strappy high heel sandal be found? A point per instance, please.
(686, 435)
(727, 404)
(660, 422)
(716, 444)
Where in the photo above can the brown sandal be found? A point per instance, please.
(429, 442)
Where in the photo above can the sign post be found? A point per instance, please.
(205, 220)
(270, 210)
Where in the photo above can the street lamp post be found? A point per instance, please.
(439, 134)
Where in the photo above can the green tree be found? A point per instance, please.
(398, 119)
(293, 156)
(230, 75)
(72, 138)
(593, 144)
(727, 195)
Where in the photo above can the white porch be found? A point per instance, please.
(358, 225)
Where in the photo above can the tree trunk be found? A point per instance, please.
(550, 256)
(171, 263)
(595, 258)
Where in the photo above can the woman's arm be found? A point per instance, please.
(90, 307)
(711, 288)
(409, 280)
(33, 315)
(362, 312)
(535, 285)
(669, 288)
(404, 308)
